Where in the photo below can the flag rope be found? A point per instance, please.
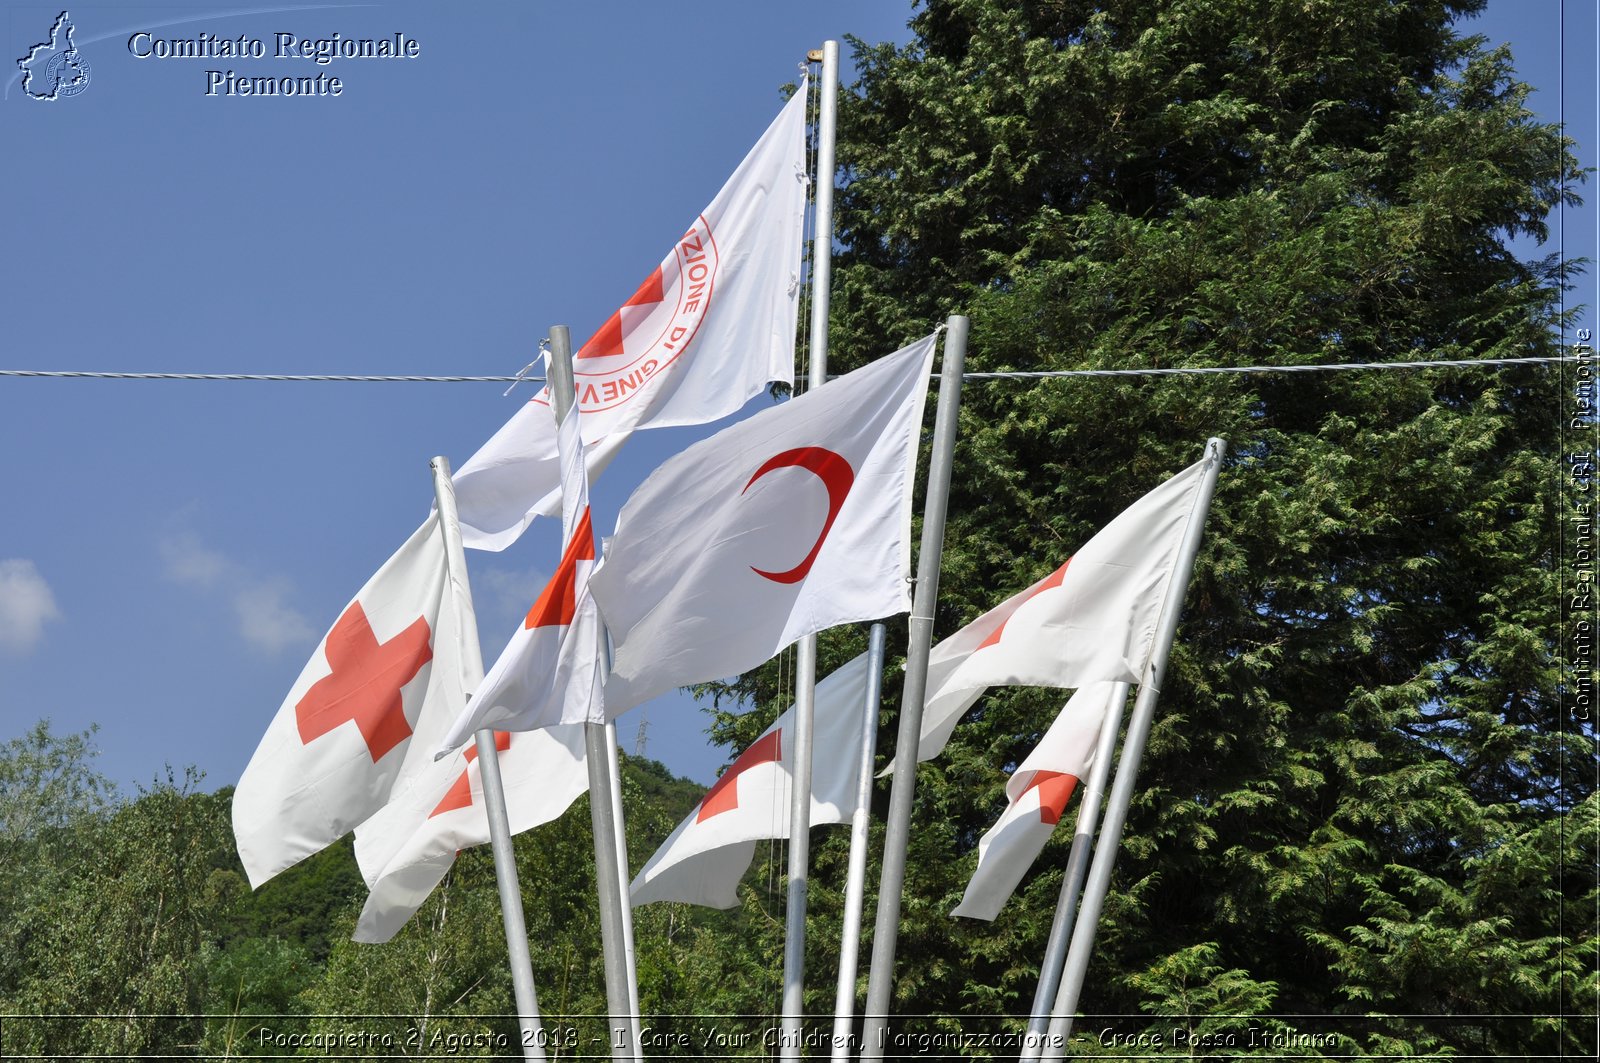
(1045, 374)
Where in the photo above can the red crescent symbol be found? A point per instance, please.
(835, 474)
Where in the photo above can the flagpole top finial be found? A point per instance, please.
(814, 55)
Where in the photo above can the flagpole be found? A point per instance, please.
(1055, 952)
(615, 768)
(494, 794)
(805, 680)
(844, 1002)
(605, 814)
(1099, 882)
(902, 790)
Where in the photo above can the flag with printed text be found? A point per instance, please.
(704, 332)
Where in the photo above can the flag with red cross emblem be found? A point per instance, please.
(1092, 619)
(704, 859)
(1038, 792)
(705, 332)
(552, 668)
(363, 717)
(406, 849)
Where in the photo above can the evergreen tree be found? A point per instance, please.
(1359, 798)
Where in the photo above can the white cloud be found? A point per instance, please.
(266, 621)
(26, 605)
(191, 563)
(269, 623)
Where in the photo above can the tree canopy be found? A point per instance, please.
(1363, 730)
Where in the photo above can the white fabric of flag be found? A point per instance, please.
(706, 331)
(551, 670)
(1092, 619)
(794, 520)
(364, 716)
(706, 856)
(1038, 792)
(406, 849)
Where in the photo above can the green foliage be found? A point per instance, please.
(1362, 724)
(1209, 1011)
(1366, 821)
(251, 987)
(443, 979)
(113, 942)
(49, 792)
(130, 930)
(299, 905)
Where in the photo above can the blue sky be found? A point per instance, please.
(171, 553)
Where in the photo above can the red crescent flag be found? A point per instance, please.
(704, 859)
(1038, 792)
(405, 849)
(704, 333)
(794, 520)
(362, 719)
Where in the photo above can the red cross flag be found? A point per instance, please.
(705, 332)
(551, 670)
(405, 849)
(704, 859)
(1038, 792)
(363, 717)
(792, 521)
(1092, 619)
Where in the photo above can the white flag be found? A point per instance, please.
(551, 670)
(363, 718)
(792, 521)
(704, 859)
(1038, 792)
(405, 849)
(705, 332)
(1092, 619)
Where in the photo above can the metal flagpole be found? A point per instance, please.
(794, 944)
(881, 974)
(494, 794)
(1144, 707)
(844, 1001)
(622, 876)
(604, 813)
(1055, 950)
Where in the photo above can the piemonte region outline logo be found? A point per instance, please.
(56, 64)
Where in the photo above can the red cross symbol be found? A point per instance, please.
(460, 793)
(558, 602)
(724, 795)
(365, 683)
(1055, 788)
(608, 340)
(1052, 580)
